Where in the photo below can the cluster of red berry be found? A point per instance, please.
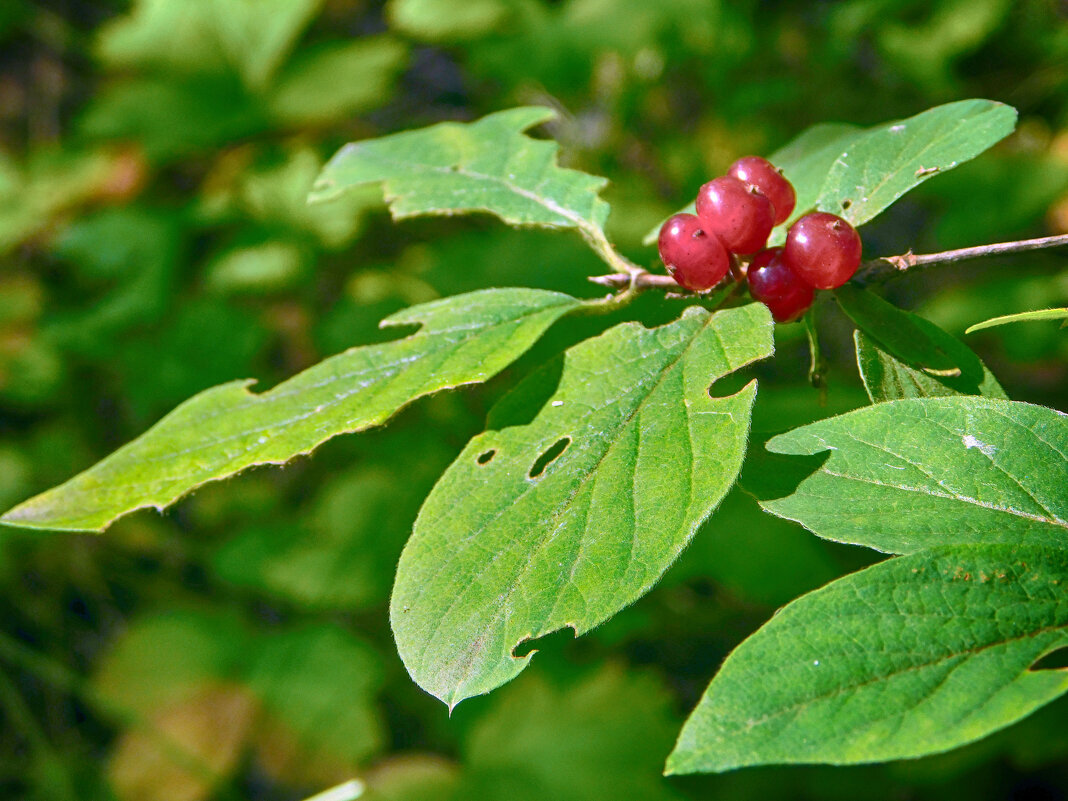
(735, 215)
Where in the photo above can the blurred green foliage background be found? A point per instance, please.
(154, 240)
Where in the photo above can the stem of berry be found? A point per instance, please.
(881, 269)
(597, 240)
(817, 368)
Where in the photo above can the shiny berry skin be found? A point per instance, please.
(823, 249)
(695, 259)
(777, 286)
(762, 174)
(738, 214)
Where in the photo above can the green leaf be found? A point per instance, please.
(1022, 317)
(278, 196)
(806, 161)
(565, 521)
(336, 81)
(226, 429)
(889, 160)
(912, 656)
(909, 474)
(857, 173)
(910, 339)
(487, 165)
(886, 378)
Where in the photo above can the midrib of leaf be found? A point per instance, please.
(563, 507)
(253, 400)
(948, 497)
(436, 347)
(888, 175)
(591, 232)
(958, 655)
(952, 495)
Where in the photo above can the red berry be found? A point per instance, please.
(777, 286)
(740, 215)
(697, 260)
(762, 174)
(823, 249)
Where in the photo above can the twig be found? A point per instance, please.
(642, 280)
(881, 269)
(636, 279)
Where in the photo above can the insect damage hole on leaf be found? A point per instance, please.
(1057, 659)
(551, 641)
(487, 457)
(548, 457)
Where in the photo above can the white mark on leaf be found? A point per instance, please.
(971, 442)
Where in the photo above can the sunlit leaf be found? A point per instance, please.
(226, 429)
(911, 474)
(857, 173)
(889, 160)
(488, 165)
(566, 520)
(806, 161)
(913, 656)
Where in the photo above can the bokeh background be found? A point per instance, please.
(154, 240)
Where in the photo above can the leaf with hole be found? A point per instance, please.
(910, 474)
(226, 429)
(913, 656)
(566, 520)
(487, 165)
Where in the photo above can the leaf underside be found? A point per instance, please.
(902, 355)
(226, 429)
(911, 474)
(566, 520)
(487, 165)
(886, 378)
(916, 655)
